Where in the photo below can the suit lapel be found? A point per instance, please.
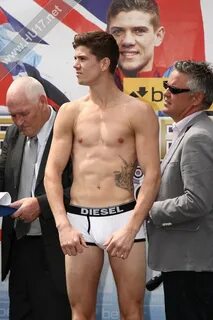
(177, 142)
(44, 160)
(171, 151)
(17, 158)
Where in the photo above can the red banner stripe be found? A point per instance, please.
(73, 19)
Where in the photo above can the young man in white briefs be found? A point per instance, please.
(106, 134)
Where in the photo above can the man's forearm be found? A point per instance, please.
(145, 200)
(55, 196)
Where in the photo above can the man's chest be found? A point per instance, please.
(107, 130)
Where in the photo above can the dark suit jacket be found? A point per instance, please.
(10, 168)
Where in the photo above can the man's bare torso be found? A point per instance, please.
(103, 155)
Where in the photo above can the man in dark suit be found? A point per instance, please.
(37, 288)
(180, 227)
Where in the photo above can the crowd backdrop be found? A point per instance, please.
(38, 34)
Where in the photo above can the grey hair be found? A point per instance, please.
(200, 75)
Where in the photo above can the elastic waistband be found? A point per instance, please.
(100, 212)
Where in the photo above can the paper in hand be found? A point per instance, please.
(5, 201)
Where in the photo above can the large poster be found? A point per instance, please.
(36, 39)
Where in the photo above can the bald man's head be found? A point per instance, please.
(27, 103)
(26, 86)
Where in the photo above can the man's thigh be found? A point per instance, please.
(82, 276)
(129, 275)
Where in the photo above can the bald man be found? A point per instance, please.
(37, 287)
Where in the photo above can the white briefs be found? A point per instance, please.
(97, 224)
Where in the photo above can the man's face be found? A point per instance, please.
(178, 106)
(27, 115)
(136, 38)
(87, 66)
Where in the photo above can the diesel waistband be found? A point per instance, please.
(100, 212)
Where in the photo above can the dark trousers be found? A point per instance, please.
(188, 295)
(32, 293)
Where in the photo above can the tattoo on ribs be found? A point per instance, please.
(124, 177)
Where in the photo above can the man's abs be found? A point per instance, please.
(99, 194)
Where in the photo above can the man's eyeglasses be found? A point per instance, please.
(173, 89)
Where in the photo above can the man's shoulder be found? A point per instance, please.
(137, 105)
(140, 113)
(12, 134)
(70, 110)
(201, 123)
(12, 131)
(75, 104)
(69, 107)
(200, 130)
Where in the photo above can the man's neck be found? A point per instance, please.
(104, 94)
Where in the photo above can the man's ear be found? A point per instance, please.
(198, 98)
(159, 36)
(105, 63)
(43, 99)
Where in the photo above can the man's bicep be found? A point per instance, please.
(59, 154)
(61, 144)
(147, 145)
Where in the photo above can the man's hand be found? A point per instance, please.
(72, 241)
(28, 209)
(120, 243)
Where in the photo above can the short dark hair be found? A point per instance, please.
(200, 75)
(146, 6)
(101, 44)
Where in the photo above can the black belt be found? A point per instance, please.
(101, 212)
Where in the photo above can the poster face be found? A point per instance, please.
(36, 39)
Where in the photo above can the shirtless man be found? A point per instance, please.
(105, 134)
